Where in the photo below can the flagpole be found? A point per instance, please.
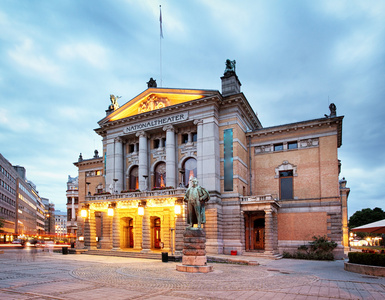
(160, 44)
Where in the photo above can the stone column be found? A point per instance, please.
(90, 231)
(73, 210)
(180, 225)
(199, 124)
(143, 162)
(118, 161)
(110, 151)
(269, 231)
(170, 156)
(106, 239)
(146, 231)
(116, 230)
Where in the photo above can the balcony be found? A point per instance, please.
(161, 193)
(259, 198)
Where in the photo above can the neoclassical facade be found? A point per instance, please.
(271, 189)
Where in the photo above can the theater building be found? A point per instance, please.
(271, 188)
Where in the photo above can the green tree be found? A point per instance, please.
(365, 216)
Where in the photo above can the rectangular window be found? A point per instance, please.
(228, 159)
(286, 184)
(184, 138)
(156, 144)
(194, 137)
(292, 145)
(278, 147)
(131, 148)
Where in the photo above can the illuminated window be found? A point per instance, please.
(190, 170)
(134, 178)
(160, 175)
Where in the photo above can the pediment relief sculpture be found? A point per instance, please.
(153, 102)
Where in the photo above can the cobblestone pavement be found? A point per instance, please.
(57, 276)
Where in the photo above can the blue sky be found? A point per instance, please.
(60, 61)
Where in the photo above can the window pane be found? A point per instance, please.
(278, 147)
(190, 170)
(292, 145)
(287, 188)
(228, 159)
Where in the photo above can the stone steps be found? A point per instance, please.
(149, 255)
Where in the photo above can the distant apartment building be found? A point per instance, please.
(72, 194)
(49, 221)
(60, 223)
(7, 199)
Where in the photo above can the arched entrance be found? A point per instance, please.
(255, 230)
(128, 232)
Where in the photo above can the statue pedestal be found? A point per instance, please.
(194, 258)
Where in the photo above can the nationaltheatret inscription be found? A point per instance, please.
(156, 122)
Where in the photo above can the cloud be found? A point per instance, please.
(30, 60)
(93, 54)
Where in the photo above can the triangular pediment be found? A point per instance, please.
(154, 99)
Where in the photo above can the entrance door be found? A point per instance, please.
(255, 230)
(157, 239)
(128, 233)
(259, 238)
(259, 234)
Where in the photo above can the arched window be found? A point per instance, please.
(160, 175)
(134, 180)
(190, 170)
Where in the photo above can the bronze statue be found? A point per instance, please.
(114, 102)
(196, 197)
(230, 66)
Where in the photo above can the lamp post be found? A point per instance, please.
(145, 182)
(182, 171)
(141, 206)
(115, 180)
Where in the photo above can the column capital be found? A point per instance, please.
(198, 122)
(168, 128)
(118, 139)
(141, 134)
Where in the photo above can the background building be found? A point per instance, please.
(271, 189)
(49, 221)
(8, 210)
(60, 223)
(72, 194)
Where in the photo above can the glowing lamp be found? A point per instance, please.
(83, 213)
(110, 212)
(140, 210)
(177, 209)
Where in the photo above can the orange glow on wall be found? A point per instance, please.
(151, 102)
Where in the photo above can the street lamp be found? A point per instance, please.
(83, 212)
(110, 210)
(178, 206)
(141, 206)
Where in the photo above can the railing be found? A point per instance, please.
(139, 195)
(259, 198)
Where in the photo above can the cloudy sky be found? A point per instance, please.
(60, 61)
